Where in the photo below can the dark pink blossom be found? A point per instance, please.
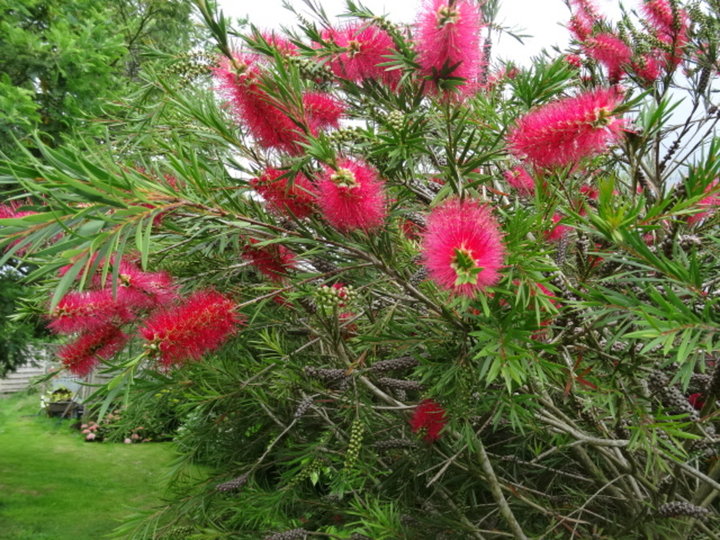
(265, 117)
(201, 324)
(273, 261)
(294, 197)
(709, 204)
(671, 28)
(585, 16)
(322, 111)
(610, 51)
(462, 247)
(519, 179)
(429, 419)
(448, 43)
(648, 67)
(92, 346)
(351, 196)
(365, 48)
(87, 310)
(565, 131)
(558, 231)
(137, 290)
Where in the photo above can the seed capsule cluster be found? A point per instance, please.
(303, 406)
(400, 384)
(681, 508)
(232, 485)
(353, 449)
(395, 119)
(314, 467)
(394, 364)
(391, 444)
(292, 534)
(670, 396)
(329, 298)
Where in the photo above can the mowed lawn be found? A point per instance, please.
(55, 486)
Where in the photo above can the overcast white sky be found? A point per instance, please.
(541, 19)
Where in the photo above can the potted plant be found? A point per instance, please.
(60, 404)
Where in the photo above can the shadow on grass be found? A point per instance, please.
(55, 486)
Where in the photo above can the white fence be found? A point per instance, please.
(42, 364)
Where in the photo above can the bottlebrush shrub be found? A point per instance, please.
(370, 334)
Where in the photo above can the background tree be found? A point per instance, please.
(63, 62)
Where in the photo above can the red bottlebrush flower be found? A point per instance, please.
(273, 261)
(574, 60)
(138, 290)
(10, 211)
(266, 118)
(671, 26)
(610, 51)
(352, 197)
(322, 111)
(697, 401)
(590, 192)
(709, 203)
(87, 310)
(585, 16)
(547, 292)
(186, 332)
(366, 48)
(648, 67)
(429, 418)
(348, 329)
(568, 130)
(519, 179)
(294, 198)
(410, 229)
(448, 43)
(100, 343)
(462, 247)
(283, 45)
(558, 231)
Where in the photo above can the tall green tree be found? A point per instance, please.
(63, 61)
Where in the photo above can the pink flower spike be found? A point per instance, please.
(448, 43)
(322, 111)
(283, 45)
(352, 197)
(273, 261)
(519, 179)
(87, 310)
(186, 332)
(585, 16)
(558, 231)
(366, 48)
(294, 198)
(648, 67)
(266, 118)
(462, 247)
(709, 203)
(83, 354)
(429, 418)
(138, 290)
(671, 28)
(565, 131)
(610, 51)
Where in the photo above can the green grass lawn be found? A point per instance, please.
(55, 486)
